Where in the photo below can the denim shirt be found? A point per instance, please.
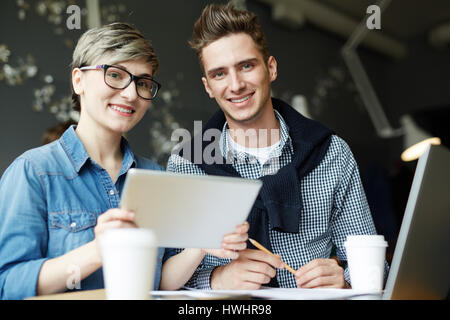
(50, 199)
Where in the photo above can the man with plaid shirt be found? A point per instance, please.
(312, 196)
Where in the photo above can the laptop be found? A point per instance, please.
(188, 211)
(421, 264)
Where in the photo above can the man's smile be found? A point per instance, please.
(241, 100)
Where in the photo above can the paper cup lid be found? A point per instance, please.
(366, 240)
(128, 236)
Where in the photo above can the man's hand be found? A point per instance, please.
(320, 273)
(252, 269)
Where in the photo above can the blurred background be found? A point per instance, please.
(379, 89)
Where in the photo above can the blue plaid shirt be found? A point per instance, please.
(334, 205)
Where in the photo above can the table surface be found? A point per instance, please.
(267, 293)
(100, 294)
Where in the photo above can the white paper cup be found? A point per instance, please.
(129, 258)
(365, 257)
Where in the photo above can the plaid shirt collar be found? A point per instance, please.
(229, 152)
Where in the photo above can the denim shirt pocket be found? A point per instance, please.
(69, 230)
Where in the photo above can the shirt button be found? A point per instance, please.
(73, 224)
(111, 192)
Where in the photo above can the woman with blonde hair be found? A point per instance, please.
(58, 199)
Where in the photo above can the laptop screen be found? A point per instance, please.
(421, 262)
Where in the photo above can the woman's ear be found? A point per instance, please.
(76, 81)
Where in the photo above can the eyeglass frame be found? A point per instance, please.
(133, 78)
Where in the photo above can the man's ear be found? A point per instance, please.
(272, 66)
(207, 88)
(76, 81)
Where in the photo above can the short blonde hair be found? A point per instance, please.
(217, 21)
(116, 42)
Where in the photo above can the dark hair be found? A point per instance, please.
(54, 133)
(217, 21)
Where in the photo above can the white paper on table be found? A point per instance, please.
(308, 294)
(268, 293)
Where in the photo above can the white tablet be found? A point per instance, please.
(188, 211)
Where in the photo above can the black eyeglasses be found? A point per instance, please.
(119, 78)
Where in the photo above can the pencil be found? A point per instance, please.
(260, 247)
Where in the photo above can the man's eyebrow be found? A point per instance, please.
(215, 70)
(251, 60)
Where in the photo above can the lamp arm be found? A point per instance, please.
(369, 96)
(362, 81)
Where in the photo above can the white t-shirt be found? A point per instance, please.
(262, 154)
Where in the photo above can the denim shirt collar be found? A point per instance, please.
(78, 155)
